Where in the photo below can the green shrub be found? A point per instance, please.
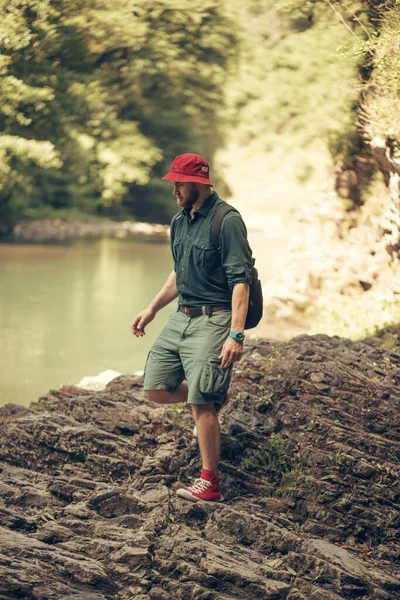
(272, 458)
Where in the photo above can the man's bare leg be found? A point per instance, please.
(218, 408)
(179, 395)
(209, 435)
(207, 486)
(164, 397)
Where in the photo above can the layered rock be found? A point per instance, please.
(310, 452)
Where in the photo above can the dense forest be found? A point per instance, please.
(97, 98)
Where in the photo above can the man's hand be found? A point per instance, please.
(141, 320)
(231, 352)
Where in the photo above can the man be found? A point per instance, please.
(191, 361)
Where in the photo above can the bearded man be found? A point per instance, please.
(191, 360)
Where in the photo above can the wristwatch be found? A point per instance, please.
(238, 336)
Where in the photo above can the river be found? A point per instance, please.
(66, 310)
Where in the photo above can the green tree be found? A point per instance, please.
(96, 99)
(299, 85)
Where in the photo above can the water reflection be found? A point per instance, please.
(65, 311)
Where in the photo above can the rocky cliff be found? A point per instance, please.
(342, 269)
(310, 467)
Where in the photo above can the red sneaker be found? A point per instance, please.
(205, 488)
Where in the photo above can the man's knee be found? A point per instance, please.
(200, 409)
(159, 396)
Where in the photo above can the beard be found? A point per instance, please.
(189, 198)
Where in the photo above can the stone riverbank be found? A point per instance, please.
(59, 230)
(310, 468)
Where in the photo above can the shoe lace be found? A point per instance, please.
(200, 485)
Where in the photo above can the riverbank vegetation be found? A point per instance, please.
(318, 137)
(97, 99)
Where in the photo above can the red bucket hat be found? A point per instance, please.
(189, 167)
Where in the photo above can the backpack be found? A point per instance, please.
(255, 310)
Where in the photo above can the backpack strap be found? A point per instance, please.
(217, 222)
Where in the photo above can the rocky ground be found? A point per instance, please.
(310, 467)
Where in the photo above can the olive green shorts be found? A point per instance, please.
(189, 348)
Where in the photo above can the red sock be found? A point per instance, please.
(208, 475)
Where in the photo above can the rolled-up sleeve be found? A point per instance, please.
(235, 250)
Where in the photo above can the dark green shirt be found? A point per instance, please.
(206, 276)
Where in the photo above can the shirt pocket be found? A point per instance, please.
(205, 256)
(177, 250)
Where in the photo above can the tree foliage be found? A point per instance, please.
(300, 84)
(96, 98)
(381, 51)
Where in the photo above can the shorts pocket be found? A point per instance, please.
(221, 318)
(214, 380)
(145, 365)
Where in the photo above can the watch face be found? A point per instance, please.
(238, 336)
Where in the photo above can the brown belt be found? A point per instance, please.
(202, 310)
